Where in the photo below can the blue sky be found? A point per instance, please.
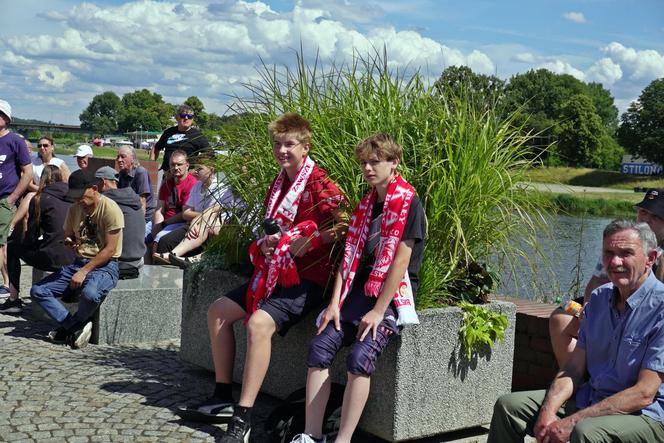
(57, 55)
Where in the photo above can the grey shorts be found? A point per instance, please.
(286, 306)
(7, 212)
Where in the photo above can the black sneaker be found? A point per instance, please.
(80, 338)
(11, 306)
(58, 336)
(211, 410)
(238, 431)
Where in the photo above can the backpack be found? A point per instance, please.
(287, 420)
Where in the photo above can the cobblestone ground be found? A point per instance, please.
(51, 393)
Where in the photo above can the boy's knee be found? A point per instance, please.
(361, 361)
(91, 293)
(320, 356)
(39, 292)
(260, 326)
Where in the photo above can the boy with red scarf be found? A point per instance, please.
(291, 271)
(374, 288)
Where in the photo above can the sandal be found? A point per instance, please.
(161, 258)
(183, 262)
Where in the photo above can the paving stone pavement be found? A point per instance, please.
(52, 394)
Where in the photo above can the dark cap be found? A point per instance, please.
(79, 181)
(107, 173)
(653, 202)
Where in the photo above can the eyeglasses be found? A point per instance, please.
(43, 145)
(186, 116)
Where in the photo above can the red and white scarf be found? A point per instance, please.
(395, 213)
(281, 267)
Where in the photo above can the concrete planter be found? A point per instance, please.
(422, 386)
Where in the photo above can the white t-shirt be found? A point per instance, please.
(38, 167)
(200, 199)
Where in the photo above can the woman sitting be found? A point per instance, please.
(45, 156)
(41, 246)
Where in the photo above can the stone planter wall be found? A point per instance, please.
(422, 385)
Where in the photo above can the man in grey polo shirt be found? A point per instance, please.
(620, 348)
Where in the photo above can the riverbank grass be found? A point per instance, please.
(590, 204)
(593, 178)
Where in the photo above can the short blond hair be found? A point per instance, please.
(381, 144)
(291, 124)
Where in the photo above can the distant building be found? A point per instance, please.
(638, 166)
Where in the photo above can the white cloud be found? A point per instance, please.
(576, 17)
(53, 75)
(638, 64)
(604, 71)
(562, 67)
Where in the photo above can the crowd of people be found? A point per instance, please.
(93, 227)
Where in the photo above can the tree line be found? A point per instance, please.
(571, 122)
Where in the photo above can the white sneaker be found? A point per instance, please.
(306, 438)
(81, 338)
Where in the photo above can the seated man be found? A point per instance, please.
(173, 194)
(302, 205)
(133, 246)
(617, 367)
(93, 229)
(564, 326)
(134, 176)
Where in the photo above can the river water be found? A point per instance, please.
(571, 240)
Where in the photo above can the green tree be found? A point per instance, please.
(580, 133)
(101, 115)
(642, 127)
(604, 105)
(482, 90)
(146, 110)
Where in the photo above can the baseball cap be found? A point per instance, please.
(79, 181)
(6, 109)
(107, 173)
(83, 150)
(653, 202)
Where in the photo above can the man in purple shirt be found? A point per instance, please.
(620, 348)
(15, 175)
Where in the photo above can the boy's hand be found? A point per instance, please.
(330, 314)
(269, 243)
(78, 279)
(369, 322)
(300, 246)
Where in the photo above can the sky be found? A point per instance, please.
(56, 56)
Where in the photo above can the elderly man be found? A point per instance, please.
(134, 176)
(184, 136)
(563, 326)
(82, 156)
(133, 244)
(620, 348)
(93, 229)
(15, 175)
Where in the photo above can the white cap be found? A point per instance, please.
(6, 109)
(83, 151)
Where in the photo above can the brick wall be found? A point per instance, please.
(534, 362)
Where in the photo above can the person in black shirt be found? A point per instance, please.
(184, 136)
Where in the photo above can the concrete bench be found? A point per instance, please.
(146, 309)
(422, 386)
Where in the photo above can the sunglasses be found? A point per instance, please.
(43, 145)
(186, 116)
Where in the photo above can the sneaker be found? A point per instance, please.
(238, 431)
(58, 336)
(11, 306)
(80, 338)
(306, 438)
(4, 291)
(211, 410)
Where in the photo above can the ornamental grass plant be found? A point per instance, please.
(463, 161)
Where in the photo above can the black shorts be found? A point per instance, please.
(286, 306)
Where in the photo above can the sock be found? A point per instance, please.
(316, 440)
(224, 391)
(243, 412)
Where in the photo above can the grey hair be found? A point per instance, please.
(184, 109)
(132, 151)
(647, 237)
